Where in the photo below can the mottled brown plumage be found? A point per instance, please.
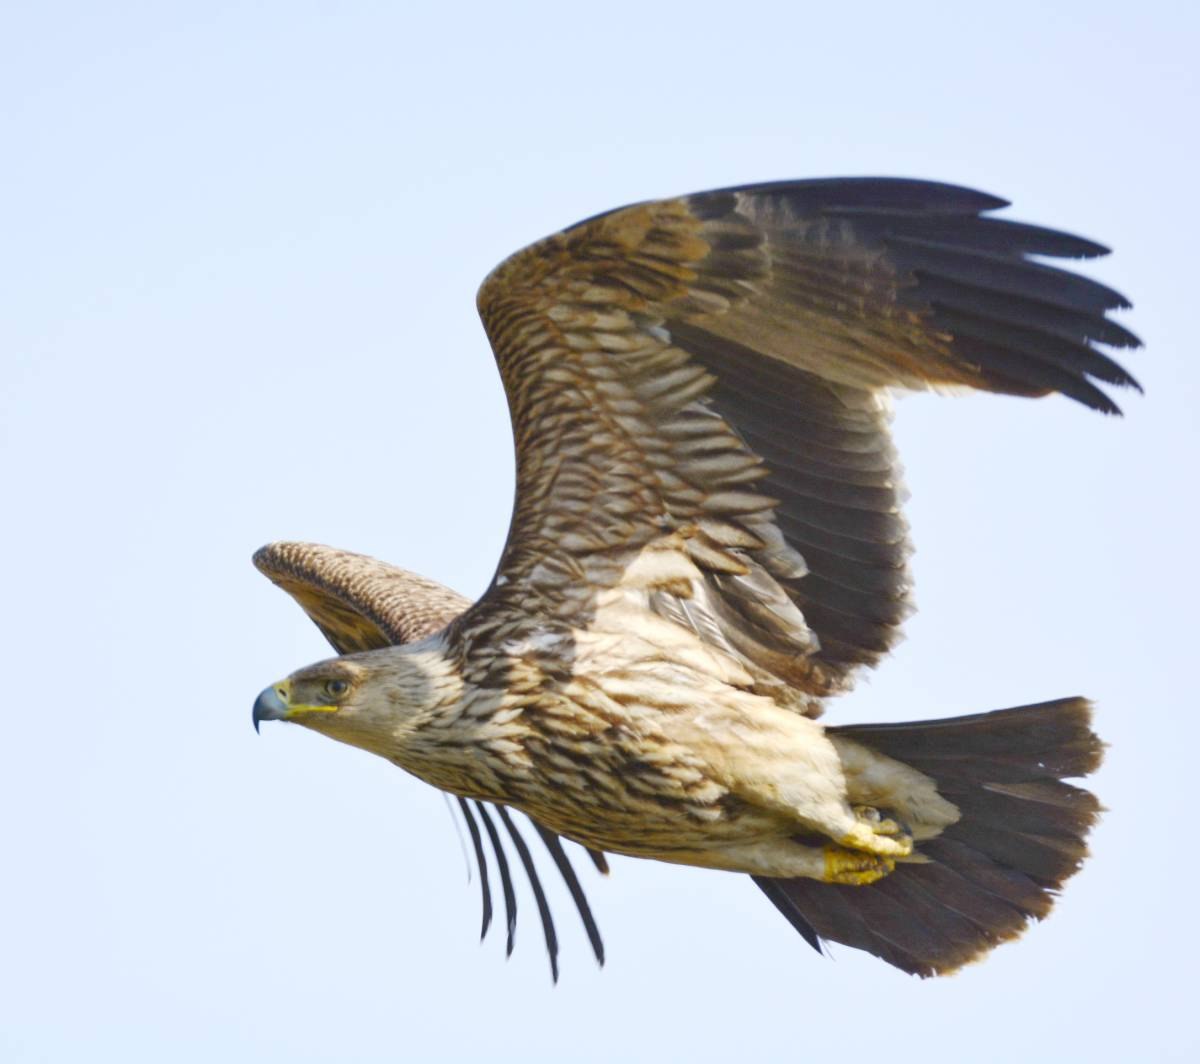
(360, 604)
(707, 542)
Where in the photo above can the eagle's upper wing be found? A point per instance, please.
(360, 604)
(699, 396)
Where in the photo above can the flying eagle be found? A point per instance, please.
(707, 544)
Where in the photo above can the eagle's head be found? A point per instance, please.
(379, 700)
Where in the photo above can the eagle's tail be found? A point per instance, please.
(1020, 837)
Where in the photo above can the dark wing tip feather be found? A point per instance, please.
(510, 894)
(535, 883)
(901, 194)
(481, 862)
(1026, 327)
(1000, 273)
(960, 258)
(575, 888)
(562, 863)
(838, 193)
(1043, 323)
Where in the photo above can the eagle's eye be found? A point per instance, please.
(336, 688)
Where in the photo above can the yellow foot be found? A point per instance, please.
(876, 834)
(854, 869)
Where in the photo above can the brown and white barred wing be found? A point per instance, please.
(358, 602)
(698, 393)
(625, 475)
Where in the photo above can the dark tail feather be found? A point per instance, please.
(1020, 837)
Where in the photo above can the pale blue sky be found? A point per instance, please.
(240, 245)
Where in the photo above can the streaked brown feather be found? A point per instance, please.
(360, 603)
(784, 309)
(698, 395)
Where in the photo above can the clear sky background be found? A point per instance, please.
(239, 246)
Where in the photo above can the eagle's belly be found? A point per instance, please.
(616, 765)
(668, 833)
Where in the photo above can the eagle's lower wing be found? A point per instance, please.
(698, 390)
(360, 603)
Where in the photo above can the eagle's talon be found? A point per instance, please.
(876, 834)
(849, 868)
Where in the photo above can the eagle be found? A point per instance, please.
(707, 545)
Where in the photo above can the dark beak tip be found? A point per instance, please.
(267, 706)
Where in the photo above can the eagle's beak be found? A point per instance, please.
(275, 703)
(269, 705)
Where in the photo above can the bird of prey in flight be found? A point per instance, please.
(707, 545)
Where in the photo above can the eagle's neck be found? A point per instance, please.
(423, 713)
